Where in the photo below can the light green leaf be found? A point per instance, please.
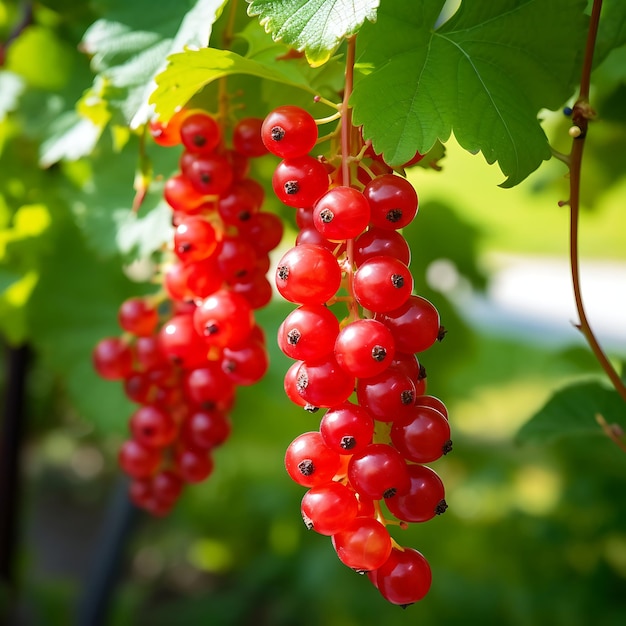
(572, 411)
(188, 72)
(316, 26)
(130, 46)
(11, 87)
(70, 137)
(479, 75)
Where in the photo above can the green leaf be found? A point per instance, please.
(479, 75)
(572, 411)
(11, 87)
(188, 72)
(129, 47)
(70, 137)
(611, 30)
(316, 26)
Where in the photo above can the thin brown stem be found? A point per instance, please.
(582, 114)
(346, 154)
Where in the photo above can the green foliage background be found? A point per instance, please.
(535, 533)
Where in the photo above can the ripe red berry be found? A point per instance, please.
(300, 181)
(289, 131)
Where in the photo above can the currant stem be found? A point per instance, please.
(346, 153)
(581, 115)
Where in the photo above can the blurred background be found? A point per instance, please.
(535, 532)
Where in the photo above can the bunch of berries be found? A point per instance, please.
(380, 429)
(184, 350)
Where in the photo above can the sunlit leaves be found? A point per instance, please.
(483, 75)
(572, 411)
(315, 26)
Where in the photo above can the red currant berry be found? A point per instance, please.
(423, 436)
(223, 317)
(364, 348)
(308, 333)
(328, 508)
(363, 545)
(347, 428)
(379, 471)
(424, 499)
(300, 181)
(393, 201)
(309, 461)
(153, 427)
(289, 131)
(308, 274)
(404, 578)
(341, 213)
(200, 133)
(112, 358)
(247, 137)
(414, 324)
(382, 284)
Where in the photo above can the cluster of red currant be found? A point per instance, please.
(184, 350)
(380, 427)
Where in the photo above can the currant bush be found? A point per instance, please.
(365, 468)
(184, 350)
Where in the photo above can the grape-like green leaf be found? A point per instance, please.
(130, 46)
(572, 411)
(188, 72)
(315, 26)
(484, 74)
(612, 29)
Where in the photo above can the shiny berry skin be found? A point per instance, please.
(210, 174)
(247, 137)
(363, 545)
(423, 435)
(153, 427)
(200, 133)
(205, 429)
(425, 498)
(308, 333)
(181, 343)
(181, 195)
(138, 460)
(289, 131)
(388, 396)
(168, 135)
(308, 274)
(309, 461)
(112, 358)
(300, 181)
(341, 213)
(393, 201)
(382, 284)
(364, 348)
(194, 239)
(328, 508)
(381, 242)
(415, 324)
(347, 428)
(404, 578)
(193, 465)
(246, 364)
(138, 316)
(379, 471)
(324, 384)
(223, 317)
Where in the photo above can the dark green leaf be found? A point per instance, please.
(612, 29)
(316, 26)
(572, 411)
(479, 75)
